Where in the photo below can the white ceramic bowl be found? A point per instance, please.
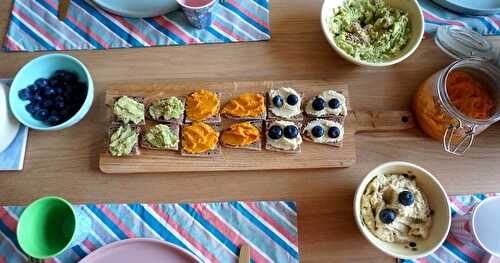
(438, 201)
(416, 23)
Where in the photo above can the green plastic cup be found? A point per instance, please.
(49, 226)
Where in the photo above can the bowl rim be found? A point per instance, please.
(351, 59)
(89, 96)
(366, 232)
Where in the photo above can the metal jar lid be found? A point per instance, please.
(459, 42)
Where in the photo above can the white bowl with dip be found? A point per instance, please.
(438, 202)
(416, 23)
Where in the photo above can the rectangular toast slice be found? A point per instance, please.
(161, 119)
(216, 151)
(212, 120)
(271, 116)
(338, 118)
(135, 150)
(262, 116)
(269, 147)
(116, 121)
(306, 135)
(174, 127)
(257, 146)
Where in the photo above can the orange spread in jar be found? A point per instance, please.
(245, 105)
(201, 105)
(465, 93)
(469, 96)
(199, 138)
(240, 134)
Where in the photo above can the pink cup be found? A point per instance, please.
(481, 226)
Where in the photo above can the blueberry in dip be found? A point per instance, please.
(394, 209)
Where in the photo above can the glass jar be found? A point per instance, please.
(441, 119)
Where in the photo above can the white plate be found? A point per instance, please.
(8, 124)
(138, 8)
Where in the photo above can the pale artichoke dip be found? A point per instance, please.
(395, 210)
(370, 30)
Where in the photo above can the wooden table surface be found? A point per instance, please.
(65, 163)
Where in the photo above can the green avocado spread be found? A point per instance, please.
(370, 30)
(166, 109)
(123, 141)
(129, 110)
(160, 136)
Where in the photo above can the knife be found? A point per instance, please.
(244, 254)
(63, 9)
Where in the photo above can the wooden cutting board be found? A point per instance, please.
(312, 155)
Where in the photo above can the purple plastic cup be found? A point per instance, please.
(200, 13)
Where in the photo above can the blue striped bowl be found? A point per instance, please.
(44, 67)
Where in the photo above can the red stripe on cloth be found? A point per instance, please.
(459, 205)
(50, 260)
(35, 26)
(116, 221)
(133, 29)
(227, 231)
(246, 12)
(8, 220)
(89, 245)
(9, 43)
(172, 27)
(227, 31)
(431, 17)
(273, 223)
(2, 260)
(183, 233)
(464, 249)
(82, 27)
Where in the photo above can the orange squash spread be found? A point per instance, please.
(245, 105)
(240, 134)
(469, 96)
(199, 138)
(201, 105)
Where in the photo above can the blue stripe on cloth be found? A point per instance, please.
(213, 230)
(246, 18)
(218, 35)
(156, 226)
(165, 31)
(263, 3)
(79, 251)
(108, 23)
(9, 234)
(291, 205)
(70, 24)
(266, 230)
(107, 221)
(31, 33)
(457, 252)
(278, 217)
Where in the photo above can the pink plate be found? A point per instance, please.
(140, 250)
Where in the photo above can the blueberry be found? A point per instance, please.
(59, 90)
(406, 198)
(278, 101)
(54, 81)
(334, 103)
(36, 98)
(41, 82)
(70, 78)
(59, 105)
(317, 131)
(24, 94)
(318, 104)
(292, 99)
(59, 73)
(275, 132)
(49, 91)
(333, 132)
(387, 215)
(291, 132)
(47, 104)
(41, 115)
(32, 107)
(64, 113)
(33, 88)
(54, 119)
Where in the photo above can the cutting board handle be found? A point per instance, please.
(380, 121)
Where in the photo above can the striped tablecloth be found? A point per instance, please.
(213, 232)
(436, 16)
(452, 249)
(34, 26)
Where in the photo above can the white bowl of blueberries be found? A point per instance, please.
(51, 92)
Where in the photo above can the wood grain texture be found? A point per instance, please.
(312, 155)
(65, 163)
